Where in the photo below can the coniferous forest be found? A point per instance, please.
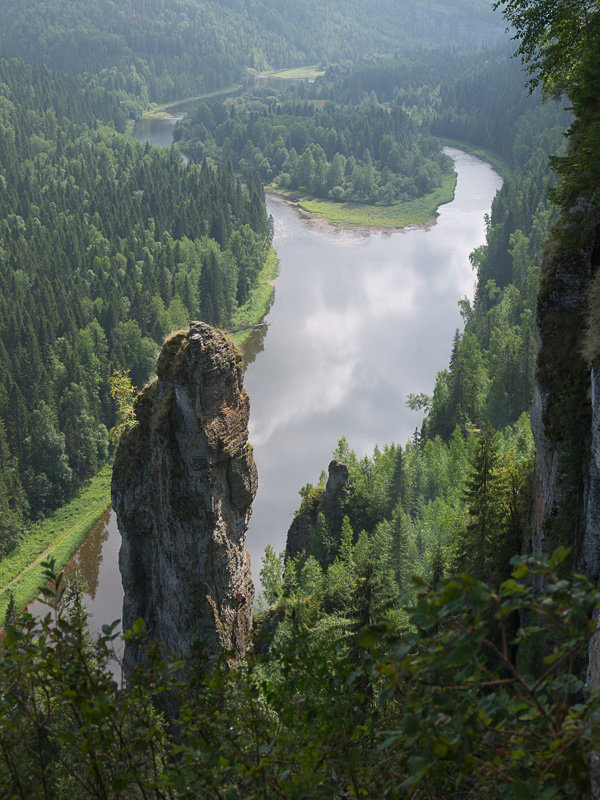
(106, 247)
(163, 51)
(411, 641)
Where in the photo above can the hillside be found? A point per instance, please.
(429, 632)
(153, 50)
(105, 247)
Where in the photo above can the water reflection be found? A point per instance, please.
(86, 561)
(254, 345)
(158, 132)
(361, 320)
(96, 565)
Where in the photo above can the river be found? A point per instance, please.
(360, 319)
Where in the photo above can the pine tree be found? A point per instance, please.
(401, 548)
(396, 490)
(346, 542)
(483, 496)
(321, 542)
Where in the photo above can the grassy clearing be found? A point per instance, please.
(259, 303)
(295, 73)
(500, 165)
(59, 535)
(160, 110)
(155, 113)
(399, 215)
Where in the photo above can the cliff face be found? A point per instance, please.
(566, 412)
(183, 483)
(566, 409)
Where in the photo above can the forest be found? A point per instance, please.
(408, 643)
(106, 246)
(364, 153)
(152, 50)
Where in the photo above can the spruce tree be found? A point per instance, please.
(346, 542)
(321, 542)
(401, 547)
(483, 496)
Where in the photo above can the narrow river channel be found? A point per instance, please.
(359, 320)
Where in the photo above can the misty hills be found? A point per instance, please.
(165, 49)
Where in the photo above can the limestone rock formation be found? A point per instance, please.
(183, 482)
(332, 504)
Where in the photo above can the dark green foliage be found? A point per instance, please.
(555, 40)
(491, 491)
(66, 727)
(425, 510)
(579, 168)
(367, 153)
(105, 247)
(378, 712)
(482, 492)
(161, 51)
(47, 475)
(476, 726)
(320, 542)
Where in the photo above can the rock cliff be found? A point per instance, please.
(183, 482)
(565, 417)
(566, 409)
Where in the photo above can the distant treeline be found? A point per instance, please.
(149, 49)
(106, 245)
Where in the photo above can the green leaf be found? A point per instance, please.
(522, 571)
(417, 764)
(139, 627)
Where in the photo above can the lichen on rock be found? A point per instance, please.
(183, 482)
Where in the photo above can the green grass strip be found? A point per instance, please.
(259, 302)
(158, 110)
(59, 535)
(399, 215)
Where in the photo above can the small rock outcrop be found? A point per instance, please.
(332, 502)
(183, 482)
